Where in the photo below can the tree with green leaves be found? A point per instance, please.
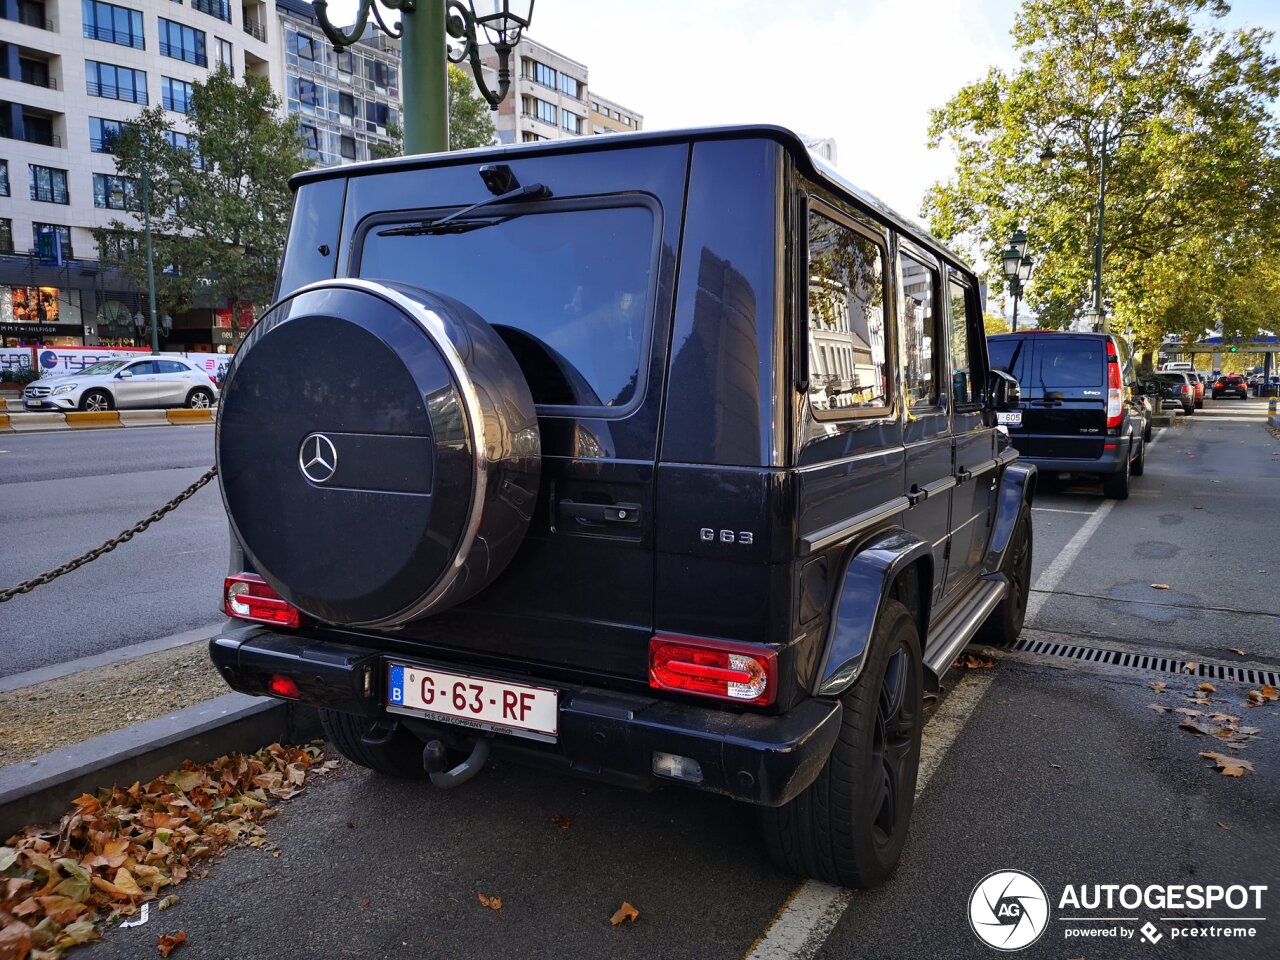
(470, 121)
(1192, 142)
(220, 201)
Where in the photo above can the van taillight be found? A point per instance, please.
(248, 597)
(1115, 390)
(723, 669)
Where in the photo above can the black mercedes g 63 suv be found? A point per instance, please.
(659, 457)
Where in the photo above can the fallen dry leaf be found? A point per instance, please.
(1207, 688)
(1188, 712)
(1159, 686)
(1230, 766)
(1224, 826)
(1159, 707)
(167, 944)
(493, 903)
(561, 823)
(1237, 650)
(1190, 667)
(168, 901)
(625, 914)
(971, 662)
(1199, 726)
(1159, 586)
(1201, 701)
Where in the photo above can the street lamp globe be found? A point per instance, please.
(1019, 240)
(1010, 261)
(502, 20)
(1024, 268)
(1047, 156)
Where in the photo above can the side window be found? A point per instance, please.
(142, 368)
(922, 329)
(963, 388)
(848, 372)
(172, 366)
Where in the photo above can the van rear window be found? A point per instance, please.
(569, 290)
(1067, 362)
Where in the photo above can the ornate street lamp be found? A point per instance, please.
(1096, 313)
(423, 29)
(1016, 266)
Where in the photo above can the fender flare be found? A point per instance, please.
(1017, 486)
(865, 581)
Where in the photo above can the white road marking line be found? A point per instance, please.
(1082, 513)
(814, 908)
(1053, 574)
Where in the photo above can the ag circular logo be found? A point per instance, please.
(1008, 910)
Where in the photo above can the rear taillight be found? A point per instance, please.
(282, 686)
(723, 669)
(1115, 390)
(248, 597)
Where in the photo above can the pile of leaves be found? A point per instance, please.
(1225, 728)
(122, 847)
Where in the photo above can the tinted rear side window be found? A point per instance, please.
(1010, 354)
(569, 290)
(1070, 363)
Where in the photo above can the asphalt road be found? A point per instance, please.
(64, 493)
(1057, 768)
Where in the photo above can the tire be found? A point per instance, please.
(1146, 433)
(1116, 485)
(1002, 627)
(849, 826)
(200, 399)
(400, 756)
(1199, 404)
(1139, 464)
(97, 401)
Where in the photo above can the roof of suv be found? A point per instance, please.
(811, 165)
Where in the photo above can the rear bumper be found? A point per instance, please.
(765, 760)
(1111, 461)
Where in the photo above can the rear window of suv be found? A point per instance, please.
(1068, 362)
(568, 288)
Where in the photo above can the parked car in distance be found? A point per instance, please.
(1178, 389)
(1078, 412)
(1232, 384)
(155, 381)
(659, 501)
(1197, 387)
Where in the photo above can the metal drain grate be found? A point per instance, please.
(1151, 664)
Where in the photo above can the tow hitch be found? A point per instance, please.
(435, 759)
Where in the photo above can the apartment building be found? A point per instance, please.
(609, 117)
(71, 73)
(348, 103)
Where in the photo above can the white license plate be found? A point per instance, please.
(1012, 418)
(474, 702)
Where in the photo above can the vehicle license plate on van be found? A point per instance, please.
(474, 701)
(1011, 418)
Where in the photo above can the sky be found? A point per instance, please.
(866, 72)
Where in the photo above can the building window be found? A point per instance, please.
(115, 193)
(543, 110)
(60, 232)
(571, 122)
(308, 48)
(224, 52)
(380, 73)
(4, 178)
(214, 8)
(604, 111)
(378, 116)
(528, 136)
(570, 86)
(348, 147)
(106, 21)
(103, 134)
(848, 371)
(182, 43)
(310, 137)
(595, 106)
(115, 83)
(626, 121)
(346, 62)
(176, 95)
(6, 235)
(48, 184)
(347, 105)
(539, 72)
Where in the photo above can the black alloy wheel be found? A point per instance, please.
(1004, 625)
(893, 764)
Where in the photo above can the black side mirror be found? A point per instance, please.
(1003, 391)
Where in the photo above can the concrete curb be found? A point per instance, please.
(92, 419)
(80, 420)
(31, 422)
(4, 423)
(190, 416)
(143, 418)
(41, 790)
(1273, 420)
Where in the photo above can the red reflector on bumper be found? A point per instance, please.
(283, 686)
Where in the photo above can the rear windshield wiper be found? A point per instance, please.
(460, 222)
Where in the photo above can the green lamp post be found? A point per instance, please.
(424, 30)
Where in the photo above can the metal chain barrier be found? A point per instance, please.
(96, 552)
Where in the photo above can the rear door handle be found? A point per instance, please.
(625, 513)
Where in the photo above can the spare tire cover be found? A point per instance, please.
(378, 451)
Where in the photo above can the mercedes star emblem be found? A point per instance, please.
(318, 458)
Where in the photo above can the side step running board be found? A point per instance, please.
(958, 625)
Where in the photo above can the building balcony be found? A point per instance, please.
(255, 29)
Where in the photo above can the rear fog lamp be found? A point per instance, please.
(248, 597)
(282, 686)
(723, 669)
(675, 767)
